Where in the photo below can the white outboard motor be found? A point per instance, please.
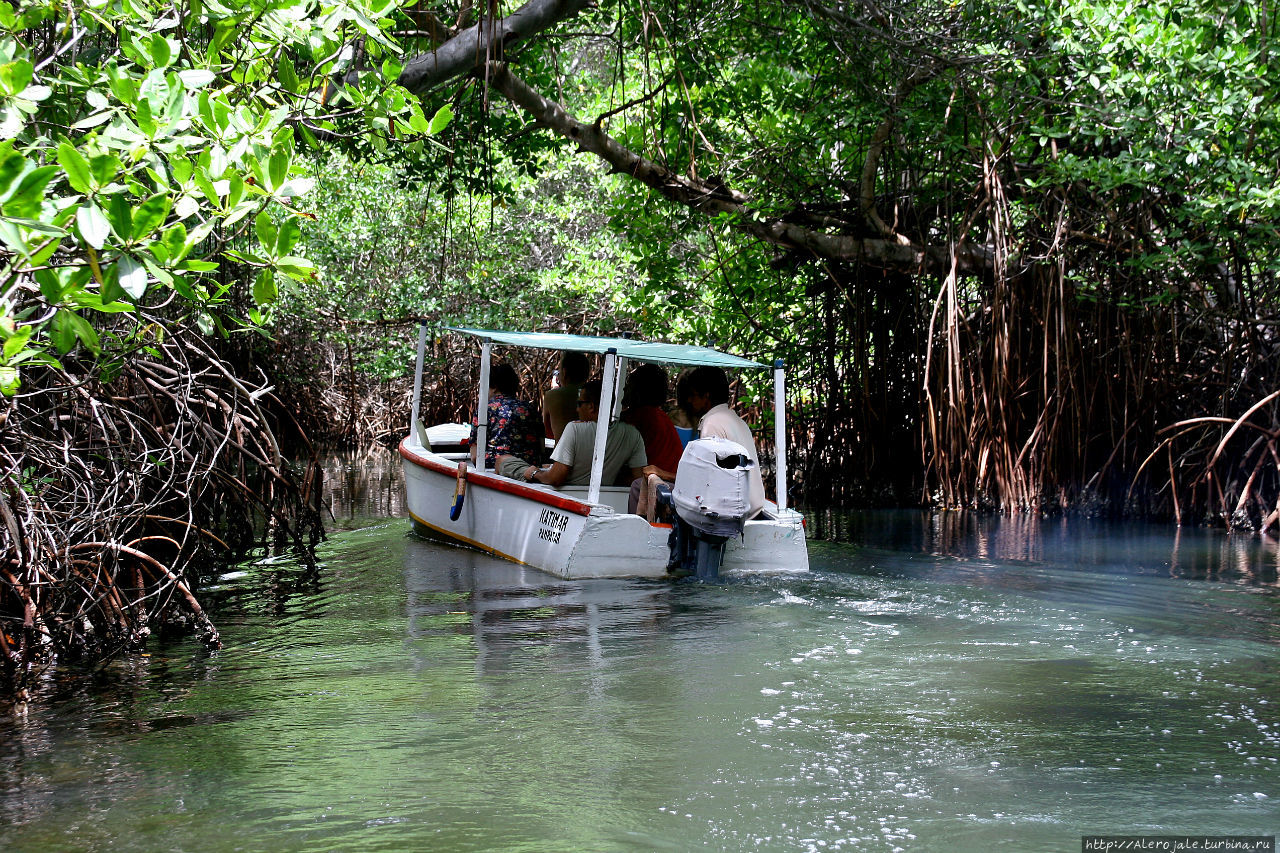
(712, 500)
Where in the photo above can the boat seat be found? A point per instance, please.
(611, 496)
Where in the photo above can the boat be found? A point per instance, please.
(582, 531)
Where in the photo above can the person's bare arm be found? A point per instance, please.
(553, 476)
(546, 420)
(669, 476)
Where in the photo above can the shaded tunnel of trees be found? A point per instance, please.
(1018, 257)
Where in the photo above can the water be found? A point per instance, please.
(944, 683)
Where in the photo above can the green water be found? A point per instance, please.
(942, 684)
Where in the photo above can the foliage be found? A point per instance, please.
(149, 187)
(144, 144)
(967, 222)
(393, 250)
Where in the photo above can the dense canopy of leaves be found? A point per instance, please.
(916, 201)
(142, 144)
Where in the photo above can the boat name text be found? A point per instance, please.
(552, 524)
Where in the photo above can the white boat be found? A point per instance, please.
(578, 531)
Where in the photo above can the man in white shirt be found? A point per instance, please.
(705, 392)
(571, 459)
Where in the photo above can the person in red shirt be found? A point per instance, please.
(646, 394)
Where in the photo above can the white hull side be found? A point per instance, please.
(568, 537)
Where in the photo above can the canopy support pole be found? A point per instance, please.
(602, 424)
(482, 408)
(619, 385)
(780, 433)
(415, 427)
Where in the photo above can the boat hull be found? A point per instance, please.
(563, 534)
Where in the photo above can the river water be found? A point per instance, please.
(936, 682)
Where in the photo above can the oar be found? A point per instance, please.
(459, 492)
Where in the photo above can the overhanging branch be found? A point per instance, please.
(479, 50)
(487, 39)
(712, 197)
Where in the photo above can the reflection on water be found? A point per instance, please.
(363, 486)
(1127, 548)
(1010, 690)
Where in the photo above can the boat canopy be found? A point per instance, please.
(624, 347)
(617, 352)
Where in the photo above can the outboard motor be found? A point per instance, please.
(711, 503)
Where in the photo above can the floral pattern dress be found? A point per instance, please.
(515, 428)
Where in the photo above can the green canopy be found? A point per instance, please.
(636, 350)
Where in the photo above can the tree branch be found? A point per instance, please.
(480, 48)
(713, 197)
(485, 40)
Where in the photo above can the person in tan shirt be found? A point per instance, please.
(560, 404)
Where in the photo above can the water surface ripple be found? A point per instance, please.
(917, 691)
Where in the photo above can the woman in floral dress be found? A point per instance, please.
(515, 425)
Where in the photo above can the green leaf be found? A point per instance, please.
(182, 168)
(50, 285)
(26, 201)
(16, 342)
(121, 216)
(288, 74)
(94, 301)
(159, 273)
(235, 189)
(85, 332)
(92, 224)
(124, 87)
(310, 138)
(160, 49)
(104, 168)
(175, 240)
(12, 167)
(278, 170)
(62, 333)
(264, 287)
(146, 119)
(76, 167)
(200, 233)
(149, 215)
(184, 289)
(111, 291)
(10, 381)
(132, 276)
(226, 30)
(266, 232)
(42, 254)
(296, 187)
(240, 211)
(440, 120)
(15, 76)
(94, 120)
(290, 233)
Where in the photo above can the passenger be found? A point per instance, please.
(514, 425)
(571, 459)
(705, 393)
(679, 415)
(560, 404)
(646, 395)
